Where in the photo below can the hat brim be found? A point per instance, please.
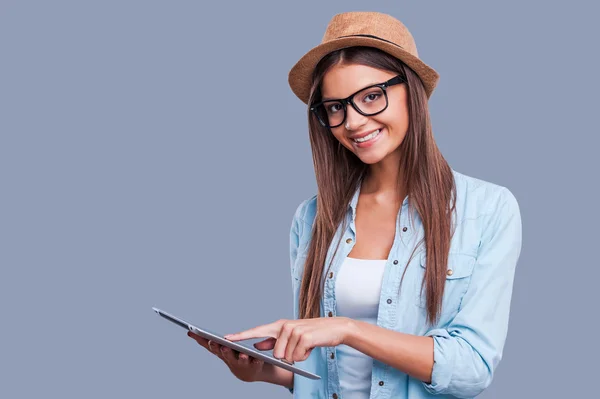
(300, 75)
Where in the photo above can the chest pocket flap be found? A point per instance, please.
(460, 265)
(459, 270)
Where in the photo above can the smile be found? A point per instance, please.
(368, 137)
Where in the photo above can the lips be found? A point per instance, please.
(368, 137)
(361, 135)
(369, 141)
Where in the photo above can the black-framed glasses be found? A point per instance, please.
(368, 101)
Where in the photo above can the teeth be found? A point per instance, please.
(368, 137)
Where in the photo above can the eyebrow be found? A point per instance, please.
(356, 91)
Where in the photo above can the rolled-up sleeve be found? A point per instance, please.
(294, 241)
(468, 349)
(295, 234)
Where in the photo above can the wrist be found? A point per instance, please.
(266, 374)
(351, 331)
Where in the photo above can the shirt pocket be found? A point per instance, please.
(458, 276)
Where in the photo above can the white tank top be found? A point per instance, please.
(357, 290)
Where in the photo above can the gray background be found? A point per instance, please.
(152, 154)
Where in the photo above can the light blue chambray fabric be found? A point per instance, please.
(470, 335)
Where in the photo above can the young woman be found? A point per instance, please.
(402, 267)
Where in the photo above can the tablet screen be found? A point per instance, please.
(237, 345)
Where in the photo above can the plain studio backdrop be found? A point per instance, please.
(152, 154)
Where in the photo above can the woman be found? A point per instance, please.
(403, 277)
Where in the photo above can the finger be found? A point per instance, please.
(302, 350)
(199, 339)
(292, 344)
(229, 354)
(266, 330)
(265, 345)
(215, 349)
(282, 340)
(243, 359)
(256, 362)
(252, 363)
(306, 355)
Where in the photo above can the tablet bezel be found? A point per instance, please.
(238, 346)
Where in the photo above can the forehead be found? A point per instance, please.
(340, 81)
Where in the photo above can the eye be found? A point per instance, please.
(333, 108)
(369, 98)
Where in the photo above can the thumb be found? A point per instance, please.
(266, 345)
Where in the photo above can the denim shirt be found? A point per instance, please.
(470, 334)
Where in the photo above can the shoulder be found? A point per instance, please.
(476, 197)
(301, 228)
(306, 211)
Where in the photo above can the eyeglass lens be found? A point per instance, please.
(369, 101)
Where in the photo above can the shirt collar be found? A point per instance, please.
(354, 200)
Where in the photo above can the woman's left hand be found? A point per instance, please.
(295, 339)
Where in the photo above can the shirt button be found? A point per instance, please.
(389, 301)
(405, 228)
(331, 275)
(330, 314)
(380, 383)
(348, 241)
(449, 272)
(395, 262)
(334, 396)
(332, 355)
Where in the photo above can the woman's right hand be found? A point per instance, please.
(244, 367)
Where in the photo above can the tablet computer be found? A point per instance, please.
(236, 345)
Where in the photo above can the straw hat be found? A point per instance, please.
(359, 28)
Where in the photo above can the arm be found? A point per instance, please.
(460, 359)
(410, 353)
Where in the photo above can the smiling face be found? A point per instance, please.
(343, 80)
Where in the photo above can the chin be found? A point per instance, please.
(371, 158)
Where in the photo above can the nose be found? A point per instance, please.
(354, 119)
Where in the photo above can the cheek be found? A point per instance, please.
(399, 134)
(398, 127)
(341, 138)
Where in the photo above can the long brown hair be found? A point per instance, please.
(427, 178)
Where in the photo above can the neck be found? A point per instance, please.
(385, 178)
